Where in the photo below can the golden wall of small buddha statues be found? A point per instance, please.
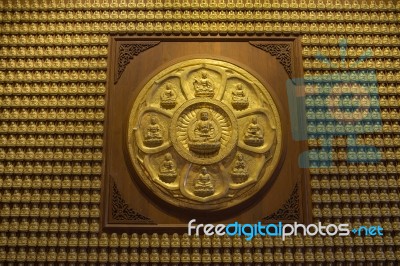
(53, 65)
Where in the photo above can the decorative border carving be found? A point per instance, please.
(127, 52)
(281, 51)
(121, 211)
(290, 210)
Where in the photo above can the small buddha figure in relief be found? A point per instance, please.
(167, 172)
(203, 186)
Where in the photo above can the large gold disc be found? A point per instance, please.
(204, 134)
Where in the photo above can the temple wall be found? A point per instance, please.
(53, 71)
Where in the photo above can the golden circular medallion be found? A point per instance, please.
(204, 134)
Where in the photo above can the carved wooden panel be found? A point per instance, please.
(127, 52)
(120, 211)
(147, 159)
(282, 52)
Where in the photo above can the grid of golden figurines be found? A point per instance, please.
(52, 83)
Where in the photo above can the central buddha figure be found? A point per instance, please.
(204, 133)
(203, 86)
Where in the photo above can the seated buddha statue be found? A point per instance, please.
(239, 98)
(239, 172)
(254, 135)
(203, 186)
(153, 134)
(204, 133)
(168, 97)
(167, 171)
(203, 86)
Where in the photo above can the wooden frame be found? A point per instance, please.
(116, 199)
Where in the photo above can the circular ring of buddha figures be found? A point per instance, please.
(204, 134)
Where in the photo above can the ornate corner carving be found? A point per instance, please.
(290, 210)
(282, 52)
(121, 211)
(127, 52)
